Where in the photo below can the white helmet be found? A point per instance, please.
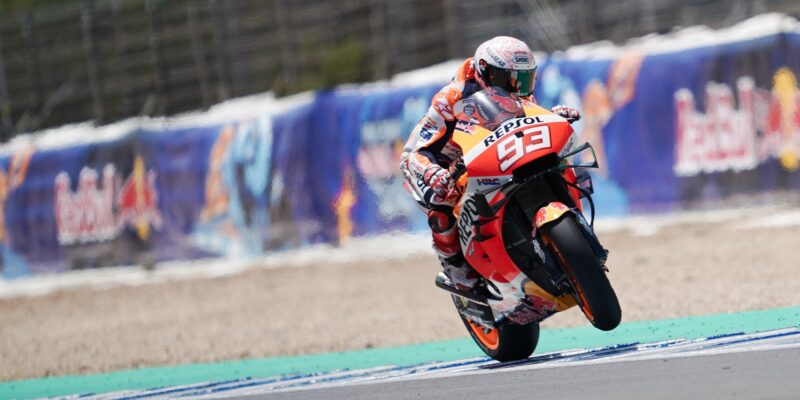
(507, 63)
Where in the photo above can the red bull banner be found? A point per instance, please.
(687, 128)
(742, 126)
(683, 127)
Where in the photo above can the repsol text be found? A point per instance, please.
(510, 126)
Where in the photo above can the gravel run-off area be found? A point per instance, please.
(659, 272)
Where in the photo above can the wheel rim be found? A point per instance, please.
(490, 339)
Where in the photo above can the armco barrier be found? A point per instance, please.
(671, 129)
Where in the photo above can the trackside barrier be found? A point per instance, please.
(671, 129)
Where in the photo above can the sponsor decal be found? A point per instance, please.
(511, 126)
(138, 201)
(765, 125)
(542, 305)
(521, 57)
(469, 214)
(469, 109)
(549, 213)
(88, 214)
(483, 114)
(495, 57)
(537, 248)
(488, 181)
(525, 314)
(467, 126)
(430, 125)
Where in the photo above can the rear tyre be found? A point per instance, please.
(594, 293)
(506, 342)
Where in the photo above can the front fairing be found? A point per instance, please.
(494, 146)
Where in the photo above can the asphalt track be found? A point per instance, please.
(761, 365)
(765, 374)
(753, 354)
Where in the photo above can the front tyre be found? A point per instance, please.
(505, 342)
(593, 291)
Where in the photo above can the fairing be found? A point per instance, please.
(498, 134)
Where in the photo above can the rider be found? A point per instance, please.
(503, 62)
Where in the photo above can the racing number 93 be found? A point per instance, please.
(515, 146)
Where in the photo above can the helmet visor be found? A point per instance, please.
(522, 82)
(516, 82)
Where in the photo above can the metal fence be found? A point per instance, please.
(104, 60)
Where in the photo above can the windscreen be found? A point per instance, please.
(489, 108)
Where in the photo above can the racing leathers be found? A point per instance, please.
(427, 162)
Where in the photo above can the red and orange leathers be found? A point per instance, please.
(431, 144)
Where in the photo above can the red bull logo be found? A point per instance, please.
(138, 201)
(764, 125)
(88, 214)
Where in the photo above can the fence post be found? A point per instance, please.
(5, 104)
(288, 73)
(648, 17)
(378, 45)
(582, 31)
(120, 64)
(234, 48)
(223, 72)
(162, 106)
(34, 70)
(451, 22)
(93, 69)
(198, 53)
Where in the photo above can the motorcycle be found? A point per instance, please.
(521, 224)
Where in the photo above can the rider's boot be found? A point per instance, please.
(458, 271)
(460, 278)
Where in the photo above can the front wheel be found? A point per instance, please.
(593, 291)
(505, 342)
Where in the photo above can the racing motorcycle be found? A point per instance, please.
(520, 219)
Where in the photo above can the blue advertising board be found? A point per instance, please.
(671, 130)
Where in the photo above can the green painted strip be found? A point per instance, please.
(450, 350)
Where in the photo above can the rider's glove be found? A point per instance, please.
(438, 179)
(569, 113)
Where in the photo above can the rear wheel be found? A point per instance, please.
(505, 342)
(593, 291)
